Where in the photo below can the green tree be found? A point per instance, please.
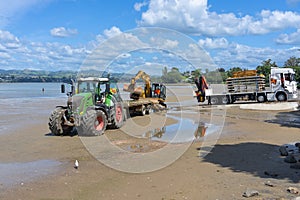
(223, 74)
(173, 76)
(294, 63)
(213, 77)
(165, 71)
(232, 70)
(265, 69)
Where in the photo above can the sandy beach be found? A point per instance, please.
(37, 165)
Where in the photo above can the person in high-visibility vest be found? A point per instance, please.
(157, 91)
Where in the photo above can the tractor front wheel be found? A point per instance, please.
(56, 122)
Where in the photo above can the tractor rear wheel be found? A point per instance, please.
(118, 117)
(93, 123)
(56, 121)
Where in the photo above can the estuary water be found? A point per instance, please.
(29, 90)
(20, 101)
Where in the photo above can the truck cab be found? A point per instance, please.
(282, 80)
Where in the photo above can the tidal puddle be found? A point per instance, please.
(18, 173)
(186, 130)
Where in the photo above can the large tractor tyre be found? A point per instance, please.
(118, 116)
(56, 122)
(93, 123)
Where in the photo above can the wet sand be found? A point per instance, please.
(245, 157)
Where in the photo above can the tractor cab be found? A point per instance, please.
(94, 87)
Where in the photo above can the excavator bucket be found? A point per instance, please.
(135, 93)
(128, 87)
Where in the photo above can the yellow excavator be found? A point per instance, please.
(151, 90)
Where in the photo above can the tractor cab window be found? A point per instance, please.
(86, 87)
(102, 87)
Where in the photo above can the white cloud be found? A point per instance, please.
(6, 36)
(62, 32)
(20, 54)
(113, 31)
(191, 16)
(9, 41)
(293, 38)
(209, 43)
(4, 55)
(138, 6)
(163, 43)
(238, 55)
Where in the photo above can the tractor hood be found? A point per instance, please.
(80, 102)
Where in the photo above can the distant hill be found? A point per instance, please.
(28, 75)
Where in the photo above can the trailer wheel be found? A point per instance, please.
(214, 100)
(93, 123)
(143, 110)
(281, 96)
(149, 109)
(261, 98)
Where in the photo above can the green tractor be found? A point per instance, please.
(94, 104)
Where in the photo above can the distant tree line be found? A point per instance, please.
(36, 76)
(220, 75)
(168, 76)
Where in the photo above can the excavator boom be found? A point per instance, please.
(135, 93)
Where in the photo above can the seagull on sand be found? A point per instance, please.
(76, 165)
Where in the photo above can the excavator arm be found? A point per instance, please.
(135, 93)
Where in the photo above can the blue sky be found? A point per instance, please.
(61, 34)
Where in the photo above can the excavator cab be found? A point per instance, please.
(158, 91)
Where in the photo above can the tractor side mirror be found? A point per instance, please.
(107, 88)
(62, 88)
(72, 89)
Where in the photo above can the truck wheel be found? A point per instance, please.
(93, 123)
(225, 100)
(261, 98)
(214, 100)
(281, 96)
(56, 122)
(118, 117)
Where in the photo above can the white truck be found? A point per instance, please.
(248, 86)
